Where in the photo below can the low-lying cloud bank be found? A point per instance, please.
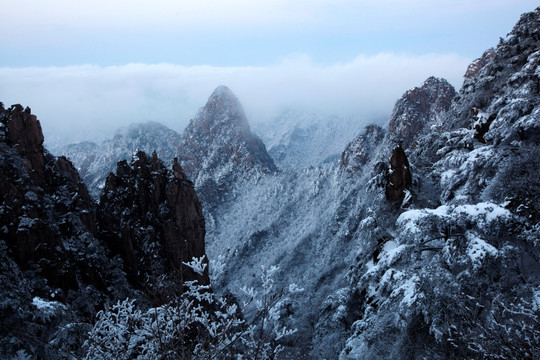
(83, 102)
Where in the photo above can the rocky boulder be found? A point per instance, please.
(399, 177)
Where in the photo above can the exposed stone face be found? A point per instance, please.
(419, 107)
(24, 134)
(399, 177)
(43, 202)
(474, 68)
(218, 148)
(151, 216)
(359, 151)
(48, 247)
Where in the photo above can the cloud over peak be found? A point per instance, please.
(87, 100)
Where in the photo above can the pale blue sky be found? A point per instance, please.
(245, 32)
(87, 67)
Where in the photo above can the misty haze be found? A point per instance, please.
(270, 180)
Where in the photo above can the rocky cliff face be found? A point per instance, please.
(474, 68)
(43, 199)
(399, 178)
(513, 63)
(58, 259)
(54, 272)
(152, 218)
(218, 148)
(362, 149)
(418, 107)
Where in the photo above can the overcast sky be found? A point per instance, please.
(90, 66)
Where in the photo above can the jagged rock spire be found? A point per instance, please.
(218, 149)
(152, 218)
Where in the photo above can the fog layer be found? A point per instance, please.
(85, 102)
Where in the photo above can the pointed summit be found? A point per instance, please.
(218, 149)
(222, 107)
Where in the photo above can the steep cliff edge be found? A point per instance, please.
(360, 151)
(418, 107)
(55, 274)
(152, 218)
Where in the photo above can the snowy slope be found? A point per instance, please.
(459, 279)
(297, 140)
(436, 277)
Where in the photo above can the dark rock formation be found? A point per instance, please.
(43, 200)
(24, 134)
(152, 218)
(96, 161)
(218, 148)
(359, 151)
(399, 177)
(474, 68)
(54, 273)
(56, 270)
(419, 107)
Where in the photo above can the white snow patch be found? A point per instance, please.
(370, 264)
(409, 292)
(47, 308)
(389, 245)
(447, 176)
(393, 252)
(536, 299)
(478, 249)
(409, 219)
(485, 209)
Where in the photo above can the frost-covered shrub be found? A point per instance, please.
(197, 325)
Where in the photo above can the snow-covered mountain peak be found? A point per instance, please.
(218, 148)
(298, 139)
(222, 109)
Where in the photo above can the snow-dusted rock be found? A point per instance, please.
(218, 149)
